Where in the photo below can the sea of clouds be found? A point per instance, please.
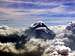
(61, 45)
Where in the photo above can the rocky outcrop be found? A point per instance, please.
(39, 30)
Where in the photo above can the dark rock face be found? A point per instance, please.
(39, 30)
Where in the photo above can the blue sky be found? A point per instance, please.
(25, 12)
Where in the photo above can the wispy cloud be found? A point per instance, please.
(27, 11)
(22, 12)
(28, 5)
(62, 1)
